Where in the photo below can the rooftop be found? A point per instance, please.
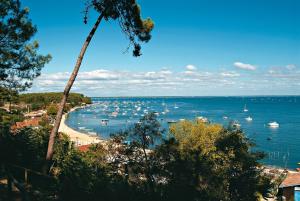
(84, 148)
(292, 179)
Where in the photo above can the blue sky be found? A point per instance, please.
(199, 47)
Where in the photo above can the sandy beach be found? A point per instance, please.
(77, 137)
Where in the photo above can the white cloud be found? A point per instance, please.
(271, 71)
(191, 68)
(103, 82)
(244, 66)
(190, 72)
(291, 66)
(230, 74)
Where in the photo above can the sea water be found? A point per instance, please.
(281, 145)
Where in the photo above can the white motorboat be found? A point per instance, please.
(236, 125)
(156, 113)
(273, 124)
(202, 119)
(249, 118)
(114, 114)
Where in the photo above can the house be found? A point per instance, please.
(290, 187)
(33, 122)
(84, 148)
(33, 114)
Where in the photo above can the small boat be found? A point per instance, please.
(249, 118)
(269, 138)
(273, 124)
(236, 124)
(104, 122)
(156, 113)
(175, 107)
(202, 119)
(245, 108)
(114, 114)
(171, 121)
(181, 119)
(225, 117)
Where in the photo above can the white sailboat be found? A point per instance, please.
(245, 108)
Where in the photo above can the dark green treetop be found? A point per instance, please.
(19, 61)
(128, 14)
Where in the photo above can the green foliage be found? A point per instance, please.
(128, 13)
(196, 135)
(200, 162)
(52, 109)
(215, 163)
(42, 100)
(11, 117)
(25, 148)
(19, 60)
(7, 95)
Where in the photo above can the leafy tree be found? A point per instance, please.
(19, 61)
(127, 12)
(143, 136)
(8, 95)
(52, 109)
(208, 162)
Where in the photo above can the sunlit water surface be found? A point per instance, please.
(282, 144)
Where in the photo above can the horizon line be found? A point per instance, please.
(197, 96)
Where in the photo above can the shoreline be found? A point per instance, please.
(77, 137)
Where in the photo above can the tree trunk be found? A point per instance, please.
(67, 90)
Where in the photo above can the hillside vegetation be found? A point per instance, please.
(42, 100)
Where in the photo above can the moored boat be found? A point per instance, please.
(273, 124)
(245, 108)
(248, 118)
(202, 119)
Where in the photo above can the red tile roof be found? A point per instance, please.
(292, 179)
(27, 123)
(84, 148)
